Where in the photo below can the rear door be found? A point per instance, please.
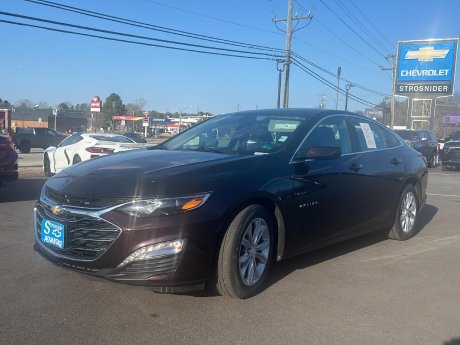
(384, 173)
(40, 138)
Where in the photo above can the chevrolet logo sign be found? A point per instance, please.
(426, 54)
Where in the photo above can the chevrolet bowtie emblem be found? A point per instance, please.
(426, 54)
(56, 209)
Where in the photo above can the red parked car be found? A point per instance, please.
(8, 160)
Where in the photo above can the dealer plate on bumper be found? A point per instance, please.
(53, 233)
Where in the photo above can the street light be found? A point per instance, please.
(55, 111)
(347, 87)
(180, 116)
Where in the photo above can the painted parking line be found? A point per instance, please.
(445, 195)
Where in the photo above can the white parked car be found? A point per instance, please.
(80, 147)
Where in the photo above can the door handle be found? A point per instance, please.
(356, 167)
(396, 161)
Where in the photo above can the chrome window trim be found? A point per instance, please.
(291, 161)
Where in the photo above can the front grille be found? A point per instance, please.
(145, 268)
(86, 237)
(87, 202)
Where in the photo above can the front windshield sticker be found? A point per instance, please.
(368, 135)
(282, 138)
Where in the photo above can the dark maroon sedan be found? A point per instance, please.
(8, 160)
(221, 202)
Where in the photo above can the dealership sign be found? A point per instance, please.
(426, 67)
(96, 104)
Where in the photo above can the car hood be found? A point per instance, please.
(150, 173)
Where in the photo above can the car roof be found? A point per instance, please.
(107, 135)
(301, 112)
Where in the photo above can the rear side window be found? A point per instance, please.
(370, 135)
(114, 138)
(390, 138)
(73, 139)
(40, 131)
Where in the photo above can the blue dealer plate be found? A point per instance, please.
(53, 233)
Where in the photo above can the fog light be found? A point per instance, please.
(155, 251)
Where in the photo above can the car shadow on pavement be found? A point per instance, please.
(21, 190)
(454, 341)
(284, 268)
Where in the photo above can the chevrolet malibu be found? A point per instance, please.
(218, 204)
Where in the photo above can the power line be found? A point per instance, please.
(329, 84)
(352, 30)
(372, 24)
(147, 25)
(361, 25)
(132, 36)
(360, 53)
(210, 17)
(335, 75)
(132, 42)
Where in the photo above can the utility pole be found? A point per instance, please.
(393, 77)
(339, 72)
(289, 31)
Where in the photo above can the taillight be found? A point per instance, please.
(99, 150)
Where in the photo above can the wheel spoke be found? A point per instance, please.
(245, 243)
(257, 231)
(262, 258)
(250, 275)
(262, 246)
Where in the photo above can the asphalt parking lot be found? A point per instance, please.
(368, 290)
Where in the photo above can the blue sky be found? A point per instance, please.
(55, 67)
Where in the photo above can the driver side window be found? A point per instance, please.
(73, 139)
(332, 131)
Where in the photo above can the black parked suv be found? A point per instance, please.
(451, 152)
(423, 141)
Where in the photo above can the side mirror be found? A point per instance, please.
(323, 152)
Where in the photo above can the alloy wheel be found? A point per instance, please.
(408, 212)
(254, 251)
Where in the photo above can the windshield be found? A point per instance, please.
(238, 133)
(408, 135)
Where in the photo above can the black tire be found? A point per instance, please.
(46, 167)
(25, 147)
(232, 278)
(444, 167)
(407, 210)
(76, 160)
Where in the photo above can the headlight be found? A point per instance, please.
(163, 207)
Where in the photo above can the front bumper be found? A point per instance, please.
(452, 157)
(98, 242)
